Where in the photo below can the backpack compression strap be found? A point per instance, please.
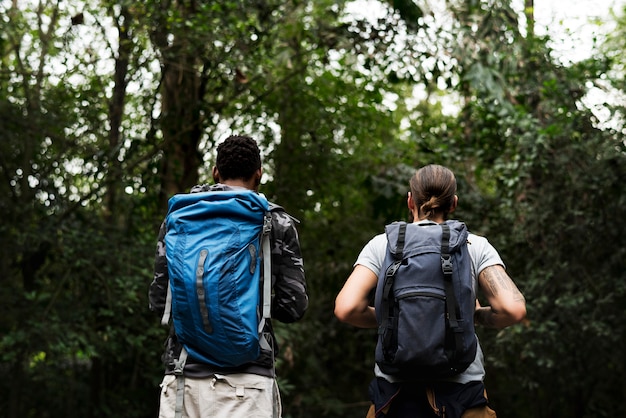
(454, 314)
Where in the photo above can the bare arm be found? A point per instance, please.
(507, 304)
(352, 304)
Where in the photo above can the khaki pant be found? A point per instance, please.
(223, 396)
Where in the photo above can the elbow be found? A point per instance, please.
(341, 313)
(516, 314)
(504, 316)
(520, 313)
(342, 308)
(518, 310)
(345, 312)
(290, 311)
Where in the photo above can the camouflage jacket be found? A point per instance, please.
(289, 301)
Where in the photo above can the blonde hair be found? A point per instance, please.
(433, 188)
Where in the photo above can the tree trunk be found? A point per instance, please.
(181, 96)
(180, 126)
(529, 11)
(116, 112)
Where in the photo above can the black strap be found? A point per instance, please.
(398, 255)
(452, 307)
(387, 309)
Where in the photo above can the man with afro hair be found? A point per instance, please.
(249, 390)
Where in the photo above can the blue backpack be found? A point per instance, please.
(425, 302)
(217, 299)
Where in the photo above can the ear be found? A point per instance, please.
(257, 177)
(454, 204)
(410, 202)
(216, 175)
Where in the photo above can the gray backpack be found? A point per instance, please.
(425, 302)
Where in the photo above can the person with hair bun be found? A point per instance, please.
(431, 199)
(434, 191)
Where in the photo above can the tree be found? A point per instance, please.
(120, 141)
(70, 272)
(109, 107)
(551, 168)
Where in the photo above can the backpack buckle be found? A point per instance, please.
(179, 365)
(446, 264)
(267, 223)
(391, 271)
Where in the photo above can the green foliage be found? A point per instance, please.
(553, 209)
(83, 319)
(332, 100)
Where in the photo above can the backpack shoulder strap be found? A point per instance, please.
(452, 305)
(167, 313)
(390, 275)
(267, 267)
(274, 207)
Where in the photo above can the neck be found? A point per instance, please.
(249, 184)
(438, 219)
(435, 220)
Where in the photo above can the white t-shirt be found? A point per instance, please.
(482, 254)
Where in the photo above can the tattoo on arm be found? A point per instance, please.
(497, 280)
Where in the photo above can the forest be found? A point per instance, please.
(110, 107)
